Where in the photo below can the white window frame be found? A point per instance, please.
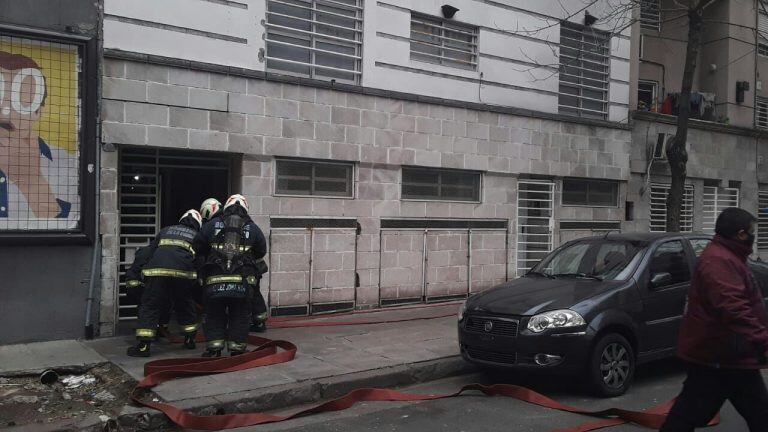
(762, 28)
(313, 37)
(654, 92)
(658, 208)
(650, 14)
(761, 112)
(715, 200)
(762, 220)
(444, 26)
(582, 73)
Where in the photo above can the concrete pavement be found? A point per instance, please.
(33, 358)
(330, 362)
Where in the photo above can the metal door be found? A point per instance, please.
(534, 222)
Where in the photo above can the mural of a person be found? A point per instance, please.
(35, 175)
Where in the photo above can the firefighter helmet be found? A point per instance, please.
(195, 215)
(209, 208)
(236, 199)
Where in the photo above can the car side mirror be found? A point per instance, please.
(661, 279)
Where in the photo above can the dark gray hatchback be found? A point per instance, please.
(595, 307)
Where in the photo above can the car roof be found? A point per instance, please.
(643, 237)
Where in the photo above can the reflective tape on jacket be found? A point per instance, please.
(165, 272)
(213, 280)
(222, 246)
(177, 243)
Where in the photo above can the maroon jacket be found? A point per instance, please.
(725, 323)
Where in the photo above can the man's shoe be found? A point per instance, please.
(189, 342)
(212, 353)
(141, 349)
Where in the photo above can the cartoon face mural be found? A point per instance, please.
(39, 135)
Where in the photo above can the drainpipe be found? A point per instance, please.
(89, 331)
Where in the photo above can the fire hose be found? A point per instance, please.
(271, 352)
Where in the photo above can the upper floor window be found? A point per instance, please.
(440, 184)
(761, 112)
(584, 71)
(314, 178)
(762, 28)
(444, 42)
(319, 39)
(650, 16)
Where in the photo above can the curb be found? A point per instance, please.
(308, 391)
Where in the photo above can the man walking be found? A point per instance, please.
(724, 333)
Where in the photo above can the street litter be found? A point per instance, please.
(75, 381)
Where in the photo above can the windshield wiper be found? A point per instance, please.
(579, 275)
(538, 273)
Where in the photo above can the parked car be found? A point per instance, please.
(595, 307)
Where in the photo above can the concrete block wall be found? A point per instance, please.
(169, 107)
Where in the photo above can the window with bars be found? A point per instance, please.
(444, 42)
(716, 199)
(658, 214)
(308, 178)
(584, 71)
(761, 112)
(319, 39)
(440, 185)
(650, 14)
(597, 193)
(762, 220)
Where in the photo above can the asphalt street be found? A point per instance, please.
(654, 384)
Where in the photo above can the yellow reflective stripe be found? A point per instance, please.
(178, 243)
(164, 272)
(189, 328)
(145, 333)
(224, 279)
(133, 283)
(220, 246)
(251, 280)
(237, 346)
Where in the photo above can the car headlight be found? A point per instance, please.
(462, 310)
(555, 319)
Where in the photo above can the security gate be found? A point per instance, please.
(715, 201)
(534, 222)
(762, 221)
(155, 187)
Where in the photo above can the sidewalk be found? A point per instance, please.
(330, 362)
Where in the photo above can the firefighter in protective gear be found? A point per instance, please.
(169, 275)
(210, 209)
(231, 251)
(134, 283)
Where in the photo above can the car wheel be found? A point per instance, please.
(611, 366)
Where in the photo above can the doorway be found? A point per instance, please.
(156, 187)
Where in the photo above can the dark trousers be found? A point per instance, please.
(706, 389)
(258, 305)
(227, 319)
(156, 300)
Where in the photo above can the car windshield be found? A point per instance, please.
(595, 259)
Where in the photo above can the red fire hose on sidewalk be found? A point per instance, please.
(269, 352)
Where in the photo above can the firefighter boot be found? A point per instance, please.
(141, 349)
(213, 348)
(189, 341)
(236, 349)
(259, 324)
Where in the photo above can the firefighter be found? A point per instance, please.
(231, 252)
(169, 275)
(209, 210)
(134, 283)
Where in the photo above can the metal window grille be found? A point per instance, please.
(441, 185)
(581, 192)
(762, 220)
(761, 113)
(584, 71)
(443, 42)
(762, 28)
(658, 215)
(715, 201)
(320, 39)
(535, 222)
(650, 15)
(295, 177)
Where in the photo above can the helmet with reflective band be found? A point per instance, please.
(209, 208)
(195, 215)
(236, 199)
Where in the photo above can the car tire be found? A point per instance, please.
(611, 366)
